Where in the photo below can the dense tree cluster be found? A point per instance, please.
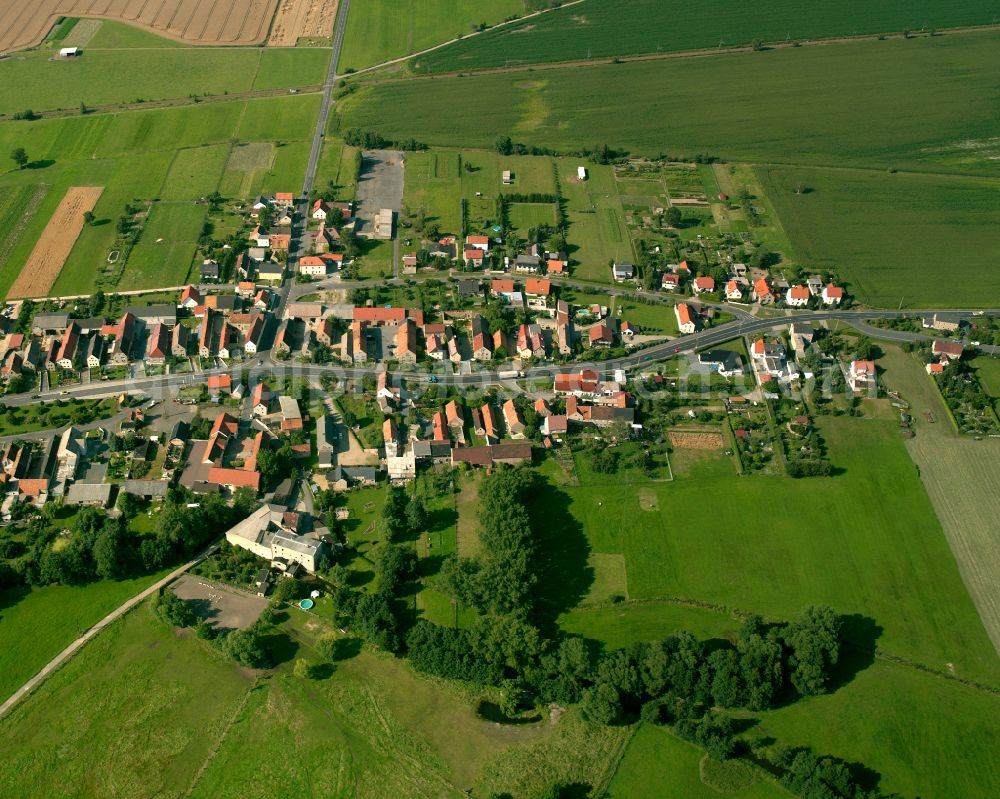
(98, 546)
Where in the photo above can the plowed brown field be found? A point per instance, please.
(24, 24)
(298, 18)
(56, 242)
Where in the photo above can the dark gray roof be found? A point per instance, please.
(146, 488)
(50, 321)
(89, 492)
(156, 313)
(179, 431)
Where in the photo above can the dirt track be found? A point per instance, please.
(25, 24)
(55, 244)
(302, 18)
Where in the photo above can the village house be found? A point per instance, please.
(600, 336)
(726, 363)
(271, 533)
(670, 281)
(406, 342)
(66, 354)
(209, 271)
(124, 334)
(762, 292)
(179, 341)
(513, 419)
(537, 291)
(703, 284)
(946, 350)
(190, 297)
(734, 291)
(685, 318)
(477, 242)
(832, 295)
(861, 376)
(797, 296)
(622, 271)
(481, 343)
(158, 344)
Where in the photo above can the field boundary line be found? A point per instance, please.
(217, 745)
(639, 57)
(504, 24)
(30, 209)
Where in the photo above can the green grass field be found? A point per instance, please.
(603, 28)
(167, 246)
(773, 108)
(157, 69)
(889, 236)
(139, 708)
(888, 563)
(380, 30)
(181, 152)
(195, 172)
(658, 764)
(37, 624)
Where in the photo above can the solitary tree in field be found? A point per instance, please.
(88, 217)
(672, 216)
(83, 108)
(20, 157)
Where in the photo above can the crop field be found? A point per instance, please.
(775, 112)
(302, 19)
(605, 28)
(891, 564)
(218, 22)
(182, 152)
(245, 168)
(379, 30)
(17, 207)
(118, 35)
(52, 249)
(962, 478)
(885, 234)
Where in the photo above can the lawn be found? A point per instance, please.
(163, 255)
(889, 564)
(433, 184)
(135, 713)
(36, 624)
(380, 30)
(604, 28)
(117, 35)
(780, 106)
(48, 416)
(618, 625)
(195, 172)
(885, 234)
(658, 764)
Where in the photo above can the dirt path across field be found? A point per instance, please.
(56, 243)
(302, 18)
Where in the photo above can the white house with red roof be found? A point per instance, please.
(703, 284)
(797, 296)
(734, 291)
(670, 281)
(478, 243)
(946, 350)
(832, 295)
(190, 297)
(685, 318)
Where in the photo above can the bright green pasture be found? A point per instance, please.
(195, 172)
(37, 624)
(135, 714)
(866, 542)
(779, 106)
(98, 77)
(176, 153)
(163, 254)
(380, 30)
(603, 28)
(923, 240)
(658, 764)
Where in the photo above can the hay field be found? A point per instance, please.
(305, 18)
(962, 478)
(56, 243)
(206, 22)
